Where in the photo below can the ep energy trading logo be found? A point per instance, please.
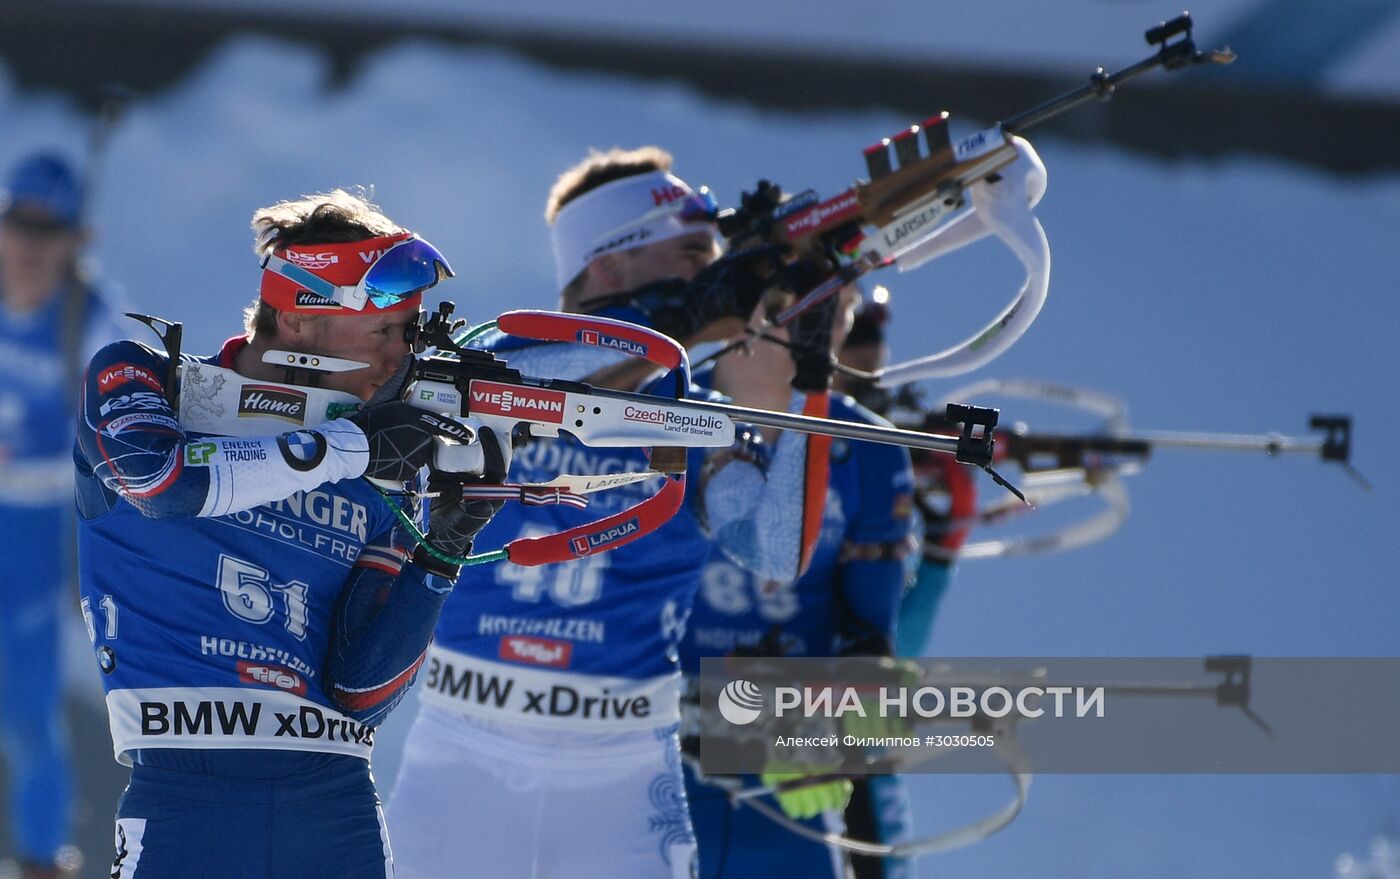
(740, 702)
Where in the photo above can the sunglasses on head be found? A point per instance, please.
(403, 270)
(698, 206)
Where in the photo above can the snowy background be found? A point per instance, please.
(1343, 48)
(1225, 295)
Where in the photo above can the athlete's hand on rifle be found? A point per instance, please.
(808, 802)
(809, 340)
(727, 290)
(454, 519)
(401, 438)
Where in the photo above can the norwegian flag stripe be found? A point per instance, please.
(530, 496)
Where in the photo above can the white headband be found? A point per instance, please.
(617, 216)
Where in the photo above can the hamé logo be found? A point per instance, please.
(272, 401)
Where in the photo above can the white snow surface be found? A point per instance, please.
(1231, 295)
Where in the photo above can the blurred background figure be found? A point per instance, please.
(53, 317)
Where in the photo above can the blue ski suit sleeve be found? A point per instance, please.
(753, 505)
(381, 627)
(872, 569)
(131, 445)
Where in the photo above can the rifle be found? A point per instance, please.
(1232, 690)
(909, 209)
(1058, 466)
(451, 379)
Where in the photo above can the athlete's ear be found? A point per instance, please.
(291, 326)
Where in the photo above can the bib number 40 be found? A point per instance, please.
(568, 584)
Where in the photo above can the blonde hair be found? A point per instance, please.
(603, 167)
(320, 218)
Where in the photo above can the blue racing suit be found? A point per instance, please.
(576, 662)
(846, 603)
(42, 353)
(253, 614)
(944, 529)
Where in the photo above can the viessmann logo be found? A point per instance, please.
(493, 398)
(272, 401)
(587, 543)
(603, 340)
(122, 373)
(830, 211)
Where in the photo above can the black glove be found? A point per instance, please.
(453, 521)
(401, 438)
(729, 287)
(809, 336)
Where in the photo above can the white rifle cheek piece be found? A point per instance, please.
(1003, 209)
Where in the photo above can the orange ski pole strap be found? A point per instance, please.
(816, 473)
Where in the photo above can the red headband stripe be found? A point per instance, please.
(342, 264)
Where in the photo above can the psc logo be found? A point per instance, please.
(740, 702)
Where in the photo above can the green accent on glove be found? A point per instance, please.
(808, 802)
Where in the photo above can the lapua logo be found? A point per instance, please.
(603, 340)
(272, 401)
(588, 543)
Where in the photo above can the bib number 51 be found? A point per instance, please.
(250, 595)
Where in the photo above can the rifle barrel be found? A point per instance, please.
(1100, 87)
(1274, 444)
(1143, 443)
(806, 423)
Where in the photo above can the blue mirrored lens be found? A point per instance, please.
(699, 205)
(405, 269)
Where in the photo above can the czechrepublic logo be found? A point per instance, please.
(740, 702)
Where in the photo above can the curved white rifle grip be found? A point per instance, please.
(1004, 209)
(1025, 174)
